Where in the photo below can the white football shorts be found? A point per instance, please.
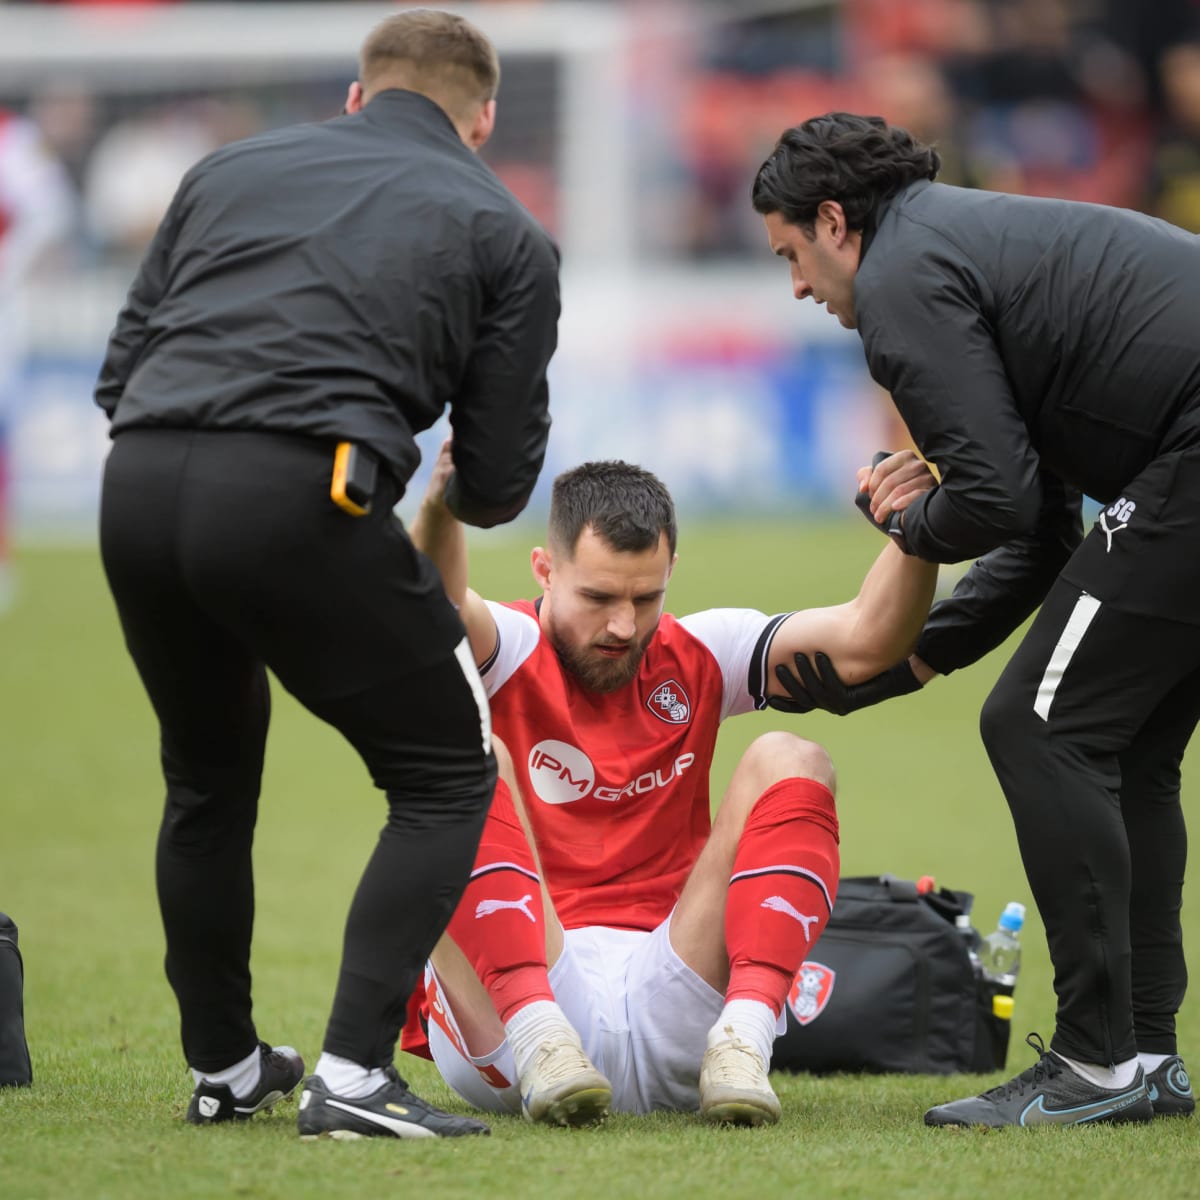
(642, 1012)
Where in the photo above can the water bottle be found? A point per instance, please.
(1000, 951)
(971, 940)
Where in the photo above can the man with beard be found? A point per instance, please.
(616, 946)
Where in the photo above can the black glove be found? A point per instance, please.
(893, 526)
(820, 687)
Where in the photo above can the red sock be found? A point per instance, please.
(782, 889)
(499, 923)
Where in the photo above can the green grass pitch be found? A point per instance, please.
(81, 794)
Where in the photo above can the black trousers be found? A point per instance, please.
(1086, 729)
(225, 557)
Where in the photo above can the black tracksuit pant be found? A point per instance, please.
(1086, 729)
(226, 556)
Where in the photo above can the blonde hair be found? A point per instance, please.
(436, 53)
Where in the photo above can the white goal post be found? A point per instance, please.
(210, 45)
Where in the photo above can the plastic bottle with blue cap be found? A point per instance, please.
(1000, 951)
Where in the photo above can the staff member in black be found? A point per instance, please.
(313, 298)
(1038, 349)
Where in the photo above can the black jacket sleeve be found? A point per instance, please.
(501, 418)
(1003, 587)
(929, 343)
(128, 338)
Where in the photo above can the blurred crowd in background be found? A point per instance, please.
(632, 129)
(1084, 99)
(1087, 99)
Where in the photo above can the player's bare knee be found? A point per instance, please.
(782, 755)
(508, 773)
(504, 762)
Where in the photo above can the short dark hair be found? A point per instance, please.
(627, 506)
(437, 53)
(857, 161)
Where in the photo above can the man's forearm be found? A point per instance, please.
(891, 609)
(440, 535)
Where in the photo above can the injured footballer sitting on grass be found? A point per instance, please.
(617, 948)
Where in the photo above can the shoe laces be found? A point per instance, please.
(735, 1062)
(394, 1077)
(1047, 1067)
(559, 1060)
(277, 1056)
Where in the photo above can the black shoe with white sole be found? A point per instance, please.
(389, 1111)
(212, 1103)
(1048, 1093)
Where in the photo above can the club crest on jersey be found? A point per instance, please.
(811, 990)
(670, 703)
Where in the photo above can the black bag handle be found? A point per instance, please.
(903, 891)
(947, 903)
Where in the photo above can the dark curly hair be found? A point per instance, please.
(857, 161)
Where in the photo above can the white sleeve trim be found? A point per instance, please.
(740, 640)
(517, 637)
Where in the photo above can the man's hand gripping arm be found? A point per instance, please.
(860, 647)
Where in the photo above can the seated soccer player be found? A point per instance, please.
(616, 947)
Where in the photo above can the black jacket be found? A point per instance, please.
(349, 280)
(1036, 349)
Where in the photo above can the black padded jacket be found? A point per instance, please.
(349, 280)
(1036, 349)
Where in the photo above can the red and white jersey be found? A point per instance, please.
(616, 784)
